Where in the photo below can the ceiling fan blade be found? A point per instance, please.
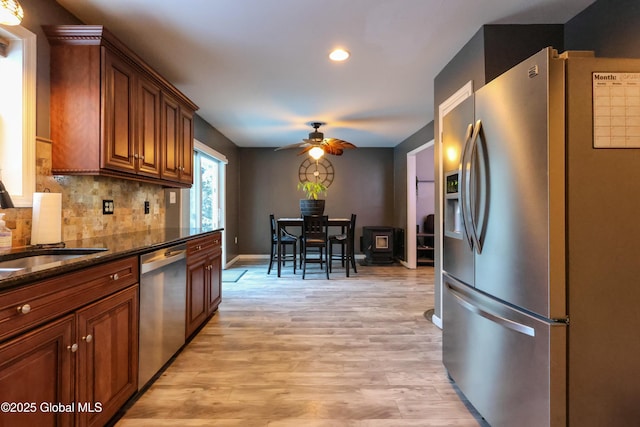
(342, 143)
(332, 150)
(332, 146)
(304, 143)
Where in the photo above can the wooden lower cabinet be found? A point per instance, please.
(36, 371)
(64, 378)
(204, 277)
(107, 360)
(69, 348)
(196, 294)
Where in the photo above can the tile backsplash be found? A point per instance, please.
(82, 203)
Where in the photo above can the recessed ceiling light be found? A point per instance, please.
(339, 55)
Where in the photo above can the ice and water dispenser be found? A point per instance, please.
(452, 206)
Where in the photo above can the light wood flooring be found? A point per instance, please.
(352, 351)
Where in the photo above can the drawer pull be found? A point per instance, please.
(73, 348)
(24, 309)
(114, 276)
(88, 338)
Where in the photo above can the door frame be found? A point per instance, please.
(445, 107)
(222, 202)
(412, 175)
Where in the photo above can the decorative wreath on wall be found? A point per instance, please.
(320, 170)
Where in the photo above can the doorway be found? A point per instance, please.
(420, 186)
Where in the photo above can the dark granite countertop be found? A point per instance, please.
(114, 247)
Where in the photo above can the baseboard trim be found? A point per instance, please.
(436, 321)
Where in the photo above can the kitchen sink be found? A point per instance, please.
(33, 258)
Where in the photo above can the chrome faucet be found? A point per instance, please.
(5, 199)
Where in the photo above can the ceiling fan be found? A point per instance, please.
(317, 140)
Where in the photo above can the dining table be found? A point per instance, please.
(343, 223)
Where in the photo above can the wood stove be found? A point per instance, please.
(377, 244)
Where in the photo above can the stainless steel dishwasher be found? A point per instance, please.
(163, 294)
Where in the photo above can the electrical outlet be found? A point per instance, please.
(146, 207)
(107, 207)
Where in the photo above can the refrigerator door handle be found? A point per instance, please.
(465, 199)
(506, 323)
(472, 172)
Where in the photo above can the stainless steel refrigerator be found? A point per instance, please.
(541, 258)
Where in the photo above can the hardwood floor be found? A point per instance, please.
(352, 351)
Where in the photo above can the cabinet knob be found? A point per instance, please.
(88, 338)
(24, 309)
(135, 156)
(73, 348)
(114, 276)
(198, 247)
(141, 157)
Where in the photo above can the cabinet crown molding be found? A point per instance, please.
(98, 35)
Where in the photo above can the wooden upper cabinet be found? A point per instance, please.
(177, 139)
(148, 148)
(186, 146)
(170, 139)
(112, 114)
(119, 142)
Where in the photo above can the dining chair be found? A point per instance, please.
(286, 239)
(346, 241)
(314, 237)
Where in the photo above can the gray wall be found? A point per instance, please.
(363, 184)
(609, 27)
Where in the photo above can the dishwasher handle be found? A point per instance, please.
(168, 257)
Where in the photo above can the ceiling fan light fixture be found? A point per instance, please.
(339, 55)
(316, 152)
(11, 12)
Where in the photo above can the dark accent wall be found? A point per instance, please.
(611, 28)
(213, 138)
(363, 184)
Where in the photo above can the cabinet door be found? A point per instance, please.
(186, 146)
(147, 152)
(215, 281)
(107, 373)
(197, 294)
(118, 137)
(170, 139)
(37, 367)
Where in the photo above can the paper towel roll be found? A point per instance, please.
(46, 223)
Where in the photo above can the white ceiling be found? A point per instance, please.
(258, 69)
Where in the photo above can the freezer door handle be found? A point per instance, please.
(506, 323)
(473, 196)
(465, 199)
